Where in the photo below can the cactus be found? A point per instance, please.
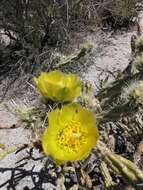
(119, 165)
(109, 183)
(64, 60)
(118, 108)
(121, 105)
(7, 151)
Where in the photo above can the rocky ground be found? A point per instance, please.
(110, 55)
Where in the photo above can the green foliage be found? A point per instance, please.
(117, 12)
(44, 22)
(34, 26)
(86, 48)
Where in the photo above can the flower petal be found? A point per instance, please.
(58, 86)
(71, 134)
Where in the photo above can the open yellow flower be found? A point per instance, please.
(71, 133)
(58, 86)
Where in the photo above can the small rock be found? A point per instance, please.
(8, 120)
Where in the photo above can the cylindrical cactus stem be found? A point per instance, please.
(109, 163)
(7, 151)
(125, 127)
(110, 95)
(131, 173)
(101, 151)
(115, 113)
(133, 130)
(127, 168)
(107, 177)
(132, 167)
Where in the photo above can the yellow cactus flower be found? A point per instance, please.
(58, 86)
(71, 133)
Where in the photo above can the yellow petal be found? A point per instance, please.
(58, 86)
(70, 136)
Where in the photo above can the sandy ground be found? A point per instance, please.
(111, 53)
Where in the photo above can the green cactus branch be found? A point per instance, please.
(114, 114)
(127, 168)
(7, 151)
(107, 177)
(109, 95)
(131, 173)
(86, 48)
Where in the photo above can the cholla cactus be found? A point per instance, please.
(72, 132)
(121, 105)
(139, 44)
(122, 166)
(137, 64)
(134, 91)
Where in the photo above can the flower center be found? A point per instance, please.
(72, 137)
